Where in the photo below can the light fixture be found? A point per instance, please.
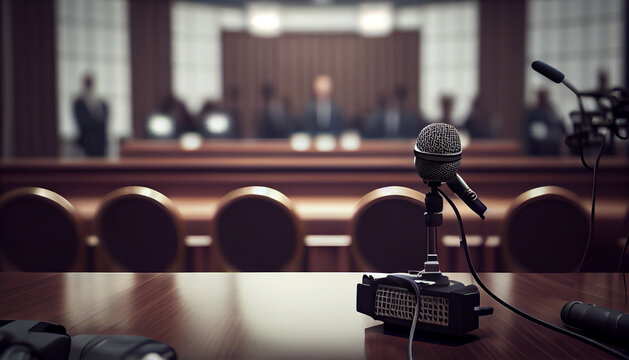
(264, 19)
(325, 142)
(217, 123)
(465, 137)
(375, 19)
(160, 126)
(300, 141)
(350, 140)
(190, 141)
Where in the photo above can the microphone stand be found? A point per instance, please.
(433, 218)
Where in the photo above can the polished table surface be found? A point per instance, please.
(296, 315)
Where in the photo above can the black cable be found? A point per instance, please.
(591, 227)
(622, 257)
(584, 162)
(516, 310)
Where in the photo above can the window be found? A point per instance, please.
(448, 54)
(196, 44)
(92, 37)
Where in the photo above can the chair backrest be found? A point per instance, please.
(40, 231)
(388, 230)
(140, 230)
(257, 229)
(545, 230)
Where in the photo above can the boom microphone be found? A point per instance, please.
(607, 324)
(548, 71)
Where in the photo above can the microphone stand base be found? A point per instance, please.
(437, 278)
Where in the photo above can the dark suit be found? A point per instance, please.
(275, 123)
(92, 126)
(392, 124)
(328, 121)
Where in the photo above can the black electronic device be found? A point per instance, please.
(40, 340)
(448, 309)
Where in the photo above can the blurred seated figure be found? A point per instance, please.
(392, 119)
(91, 114)
(274, 119)
(170, 120)
(322, 115)
(447, 105)
(216, 121)
(478, 122)
(543, 128)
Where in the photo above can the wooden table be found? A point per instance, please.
(296, 315)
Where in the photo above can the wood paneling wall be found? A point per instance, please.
(502, 57)
(150, 39)
(34, 63)
(362, 69)
(2, 79)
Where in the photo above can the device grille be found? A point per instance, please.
(439, 138)
(397, 302)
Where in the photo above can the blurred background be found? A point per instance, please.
(319, 99)
(462, 62)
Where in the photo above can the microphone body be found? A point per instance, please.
(605, 323)
(460, 188)
(548, 71)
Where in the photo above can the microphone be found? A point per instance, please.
(437, 159)
(548, 71)
(469, 197)
(608, 324)
(437, 152)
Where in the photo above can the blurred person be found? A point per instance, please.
(322, 115)
(543, 128)
(177, 110)
(447, 105)
(478, 122)
(91, 114)
(216, 120)
(393, 119)
(274, 119)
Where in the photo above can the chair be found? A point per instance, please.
(256, 229)
(545, 230)
(389, 231)
(140, 230)
(40, 231)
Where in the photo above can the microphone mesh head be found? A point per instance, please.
(438, 138)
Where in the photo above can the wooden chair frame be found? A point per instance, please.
(370, 199)
(64, 206)
(156, 198)
(296, 261)
(528, 197)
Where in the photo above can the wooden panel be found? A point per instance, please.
(362, 70)
(149, 27)
(34, 78)
(502, 57)
(243, 316)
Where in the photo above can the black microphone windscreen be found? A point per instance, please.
(548, 71)
(442, 139)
